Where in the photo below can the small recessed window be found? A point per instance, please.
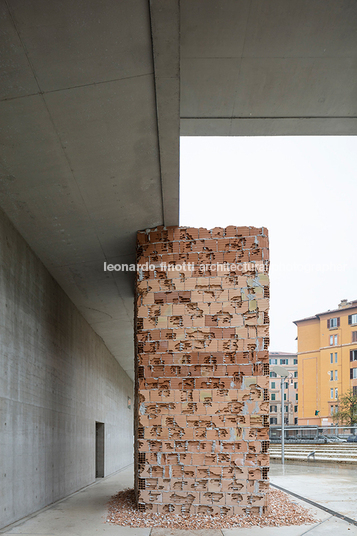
(331, 358)
(331, 375)
(331, 393)
(333, 322)
(335, 357)
(336, 393)
(352, 319)
(353, 355)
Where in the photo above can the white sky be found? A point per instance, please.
(304, 190)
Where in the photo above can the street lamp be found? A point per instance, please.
(283, 373)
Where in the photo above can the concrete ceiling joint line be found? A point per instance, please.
(165, 34)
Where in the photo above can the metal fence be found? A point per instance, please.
(314, 434)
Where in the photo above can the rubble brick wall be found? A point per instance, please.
(202, 371)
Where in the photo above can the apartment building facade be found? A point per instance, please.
(289, 362)
(327, 362)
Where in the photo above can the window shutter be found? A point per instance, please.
(351, 374)
(351, 355)
(354, 336)
(338, 321)
(350, 319)
(328, 323)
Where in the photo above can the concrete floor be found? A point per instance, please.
(331, 485)
(84, 513)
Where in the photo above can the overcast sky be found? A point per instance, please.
(304, 190)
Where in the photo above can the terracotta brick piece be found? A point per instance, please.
(202, 337)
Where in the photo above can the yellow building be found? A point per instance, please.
(327, 362)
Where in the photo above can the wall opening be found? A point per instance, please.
(99, 449)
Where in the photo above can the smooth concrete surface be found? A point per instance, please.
(258, 67)
(89, 143)
(330, 485)
(57, 379)
(84, 514)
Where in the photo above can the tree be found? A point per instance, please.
(347, 409)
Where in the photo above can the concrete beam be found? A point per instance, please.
(165, 31)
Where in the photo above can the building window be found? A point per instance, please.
(331, 358)
(331, 340)
(272, 396)
(352, 319)
(286, 385)
(295, 374)
(295, 361)
(295, 409)
(273, 361)
(353, 355)
(353, 373)
(273, 420)
(273, 374)
(331, 393)
(272, 385)
(354, 336)
(331, 410)
(336, 376)
(286, 409)
(284, 396)
(335, 357)
(331, 375)
(333, 322)
(273, 409)
(295, 385)
(336, 339)
(284, 361)
(295, 420)
(354, 390)
(296, 397)
(336, 409)
(336, 393)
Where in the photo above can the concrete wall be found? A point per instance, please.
(202, 336)
(57, 379)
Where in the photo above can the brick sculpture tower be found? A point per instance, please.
(202, 370)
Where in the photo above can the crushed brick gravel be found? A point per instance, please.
(282, 511)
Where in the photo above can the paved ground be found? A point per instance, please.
(332, 485)
(83, 514)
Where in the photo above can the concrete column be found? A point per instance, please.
(202, 370)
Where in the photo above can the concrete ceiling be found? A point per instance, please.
(90, 117)
(89, 143)
(268, 67)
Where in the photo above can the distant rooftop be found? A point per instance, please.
(344, 304)
(281, 353)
